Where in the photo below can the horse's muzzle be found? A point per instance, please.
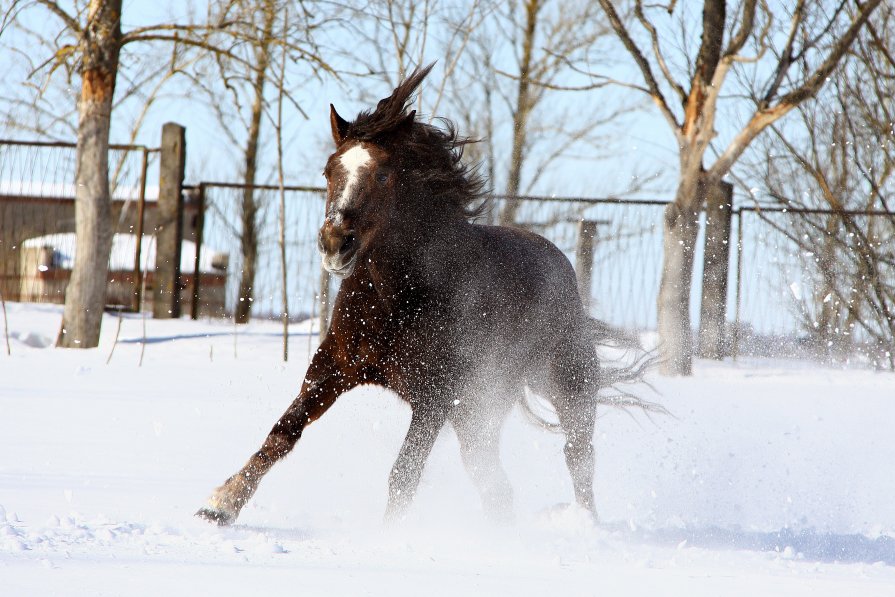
(339, 248)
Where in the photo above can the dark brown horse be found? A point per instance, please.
(456, 318)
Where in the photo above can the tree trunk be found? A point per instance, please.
(584, 260)
(716, 260)
(521, 114)
(249, 239)
(86, 292)
(681, 226)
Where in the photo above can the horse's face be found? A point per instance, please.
(360, 186)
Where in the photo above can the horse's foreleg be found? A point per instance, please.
(323, 383)
(408, 468)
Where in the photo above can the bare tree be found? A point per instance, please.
(549, 46)
(399, 35)
(841, 156)
(100, 44)
(781, 68)
(90, 43)
(238, 89)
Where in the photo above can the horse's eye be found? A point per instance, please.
(382, 177)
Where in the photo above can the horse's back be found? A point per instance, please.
(526, 284)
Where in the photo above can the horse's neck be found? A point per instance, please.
(414, 260)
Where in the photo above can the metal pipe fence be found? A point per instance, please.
(803, 282)
(37, 217)
(222, 233)
(815, 283)
(626, 247)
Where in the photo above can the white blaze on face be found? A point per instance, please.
(352, 160)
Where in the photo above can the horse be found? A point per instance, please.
(454, 317)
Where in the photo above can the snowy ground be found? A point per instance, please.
(771, 478)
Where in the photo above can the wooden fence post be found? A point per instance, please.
(197, 264)
(169, 231)
(584, 259)
(324, 302)
(713, 311)
(138, 235)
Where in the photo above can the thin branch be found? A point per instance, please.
(69, 21)
(746, 25)
(643, 65)
(657, 52)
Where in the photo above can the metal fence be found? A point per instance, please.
(627, 249)
(807, 284)
(792, 290)
(626, 255)
(303, 215)
(37, 216)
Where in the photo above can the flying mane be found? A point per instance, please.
(432, 157)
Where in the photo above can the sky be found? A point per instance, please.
(638, 143)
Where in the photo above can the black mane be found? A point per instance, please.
(432, 156)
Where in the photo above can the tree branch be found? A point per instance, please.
(816, 80)
(742, 35)
(69, 21)
(654, 91)
(657, 52)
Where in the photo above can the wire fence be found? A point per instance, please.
(627, 249)
(802, 282)
(816, 283)
(37, 216)
(303, 216)
(626, 266)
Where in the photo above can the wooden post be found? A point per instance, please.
(324, 302)
(169, 233)
(584, 258)
(197, 265)
(716, 260)
(138, 235)
(735, 341)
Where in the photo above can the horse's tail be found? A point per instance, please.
(614, 375)
(629, 369)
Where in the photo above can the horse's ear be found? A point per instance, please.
(405, 125)
(339, 125)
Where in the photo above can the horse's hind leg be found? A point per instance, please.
(322, 385)
(480, 449)
(577, 415)
(575, 380)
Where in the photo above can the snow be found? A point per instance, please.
(771, 477)
(124, 247)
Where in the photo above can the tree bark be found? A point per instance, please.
(716, 260)
(86, 292)
(521, 114)
(681, 227)
(249, 213)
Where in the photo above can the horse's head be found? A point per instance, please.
(361, 181)
(388, 169)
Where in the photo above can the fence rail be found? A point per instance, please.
(810, 285)
(793, 290)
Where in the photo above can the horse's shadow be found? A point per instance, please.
(806, 544)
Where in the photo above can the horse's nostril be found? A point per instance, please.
(347, 243)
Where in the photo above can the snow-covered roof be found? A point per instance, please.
(123, 249)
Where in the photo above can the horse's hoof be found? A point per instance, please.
(219, 517)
